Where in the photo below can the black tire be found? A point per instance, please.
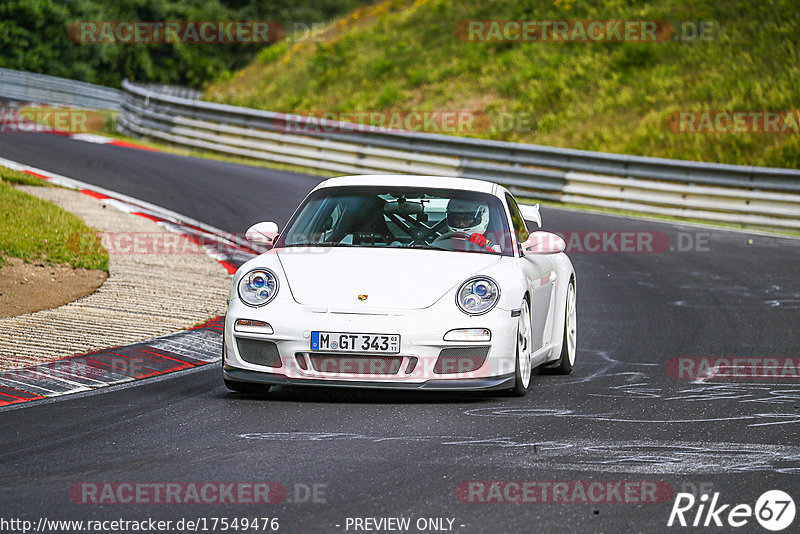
(246, 387)
(562, 365)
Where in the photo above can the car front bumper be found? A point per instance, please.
(421, 345)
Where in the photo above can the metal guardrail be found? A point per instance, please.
(172, 90)
(753, 196)
(41, 88)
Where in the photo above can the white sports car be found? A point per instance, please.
(410, 282)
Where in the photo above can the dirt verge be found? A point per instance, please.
(30, 287)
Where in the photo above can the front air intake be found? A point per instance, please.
(258, 352)
(460, 360)
(359, 364)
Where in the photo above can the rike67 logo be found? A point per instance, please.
(774, 510)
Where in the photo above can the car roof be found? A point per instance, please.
(405, 180)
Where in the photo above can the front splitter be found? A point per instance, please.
(461, 384)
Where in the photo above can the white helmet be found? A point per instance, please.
(468, 216)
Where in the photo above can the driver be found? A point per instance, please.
(470, 217)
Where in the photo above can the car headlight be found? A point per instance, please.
(478, 295)
(258, 287)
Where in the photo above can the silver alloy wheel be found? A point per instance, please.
(524, 344)
(571, 324)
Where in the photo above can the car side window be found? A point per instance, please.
(517, 219)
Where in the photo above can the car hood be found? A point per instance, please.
(390, 278)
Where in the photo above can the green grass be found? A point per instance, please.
(20, 178)
(36, 230)
(611, 97)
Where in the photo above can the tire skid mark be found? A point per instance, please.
(644, 456)
(784, 418)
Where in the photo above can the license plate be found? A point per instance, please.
(349, 342)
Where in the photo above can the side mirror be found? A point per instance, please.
(544, 243)
(531, 213)
(263, 233)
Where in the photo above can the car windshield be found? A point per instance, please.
(396, 217)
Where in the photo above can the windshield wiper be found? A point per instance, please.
(317, 244)
(426, 247)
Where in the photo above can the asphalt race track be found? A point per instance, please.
(620, 417)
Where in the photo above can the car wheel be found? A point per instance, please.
(568, 347)
(522, 368)
(246, 387)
